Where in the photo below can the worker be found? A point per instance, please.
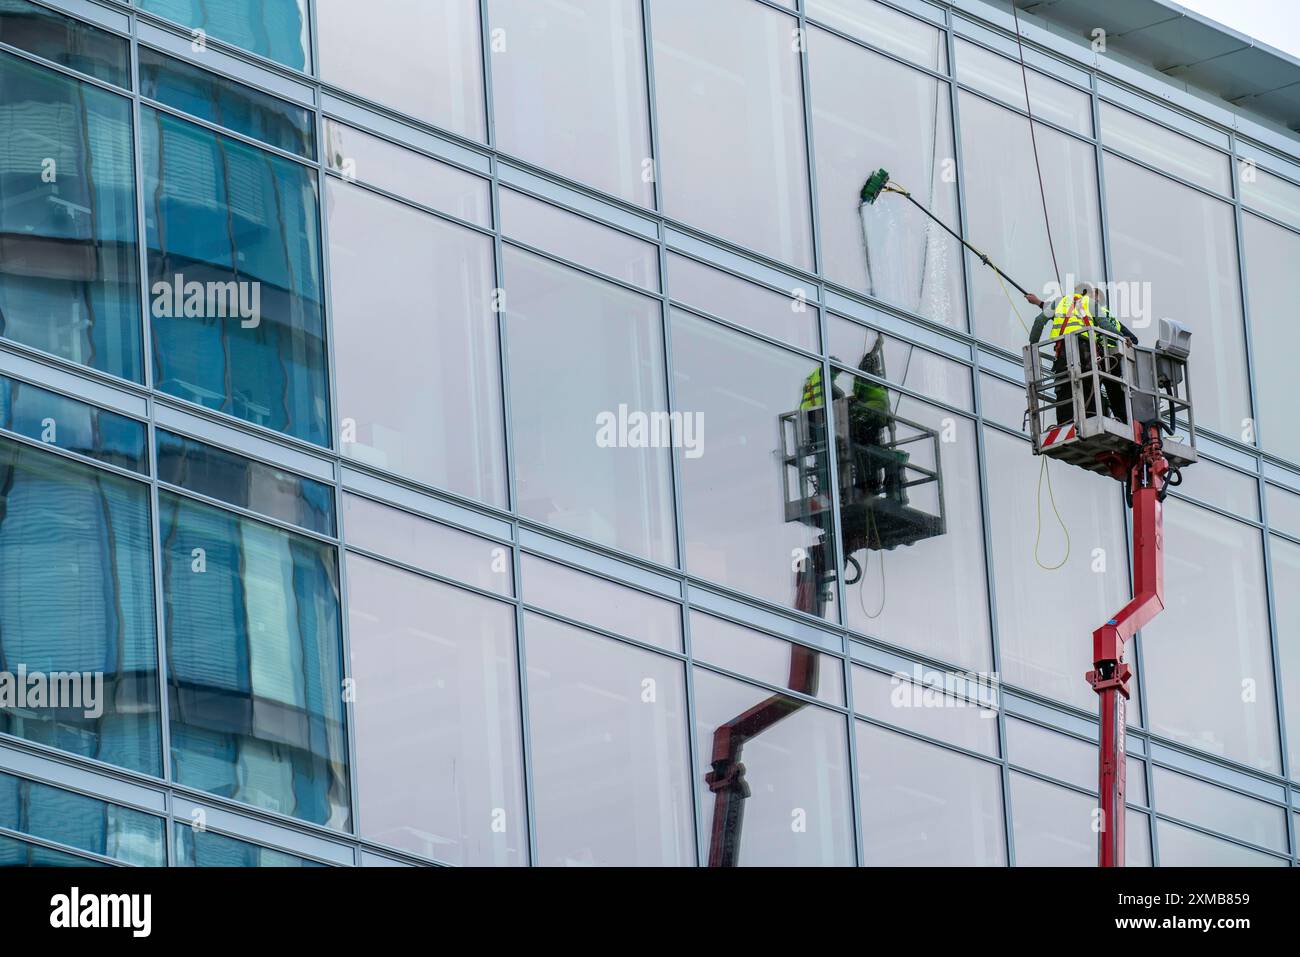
(1084, 309)
(812, 404)
(869, 416)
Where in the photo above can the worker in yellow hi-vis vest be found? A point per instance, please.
(1079, 313)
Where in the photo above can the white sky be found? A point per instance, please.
(1275, 22)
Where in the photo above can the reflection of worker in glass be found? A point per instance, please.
(869, 417)
(813, 404)
(1078, 313)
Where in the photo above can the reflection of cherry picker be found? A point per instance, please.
(874, 472)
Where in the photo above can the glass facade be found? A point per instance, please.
(423, 450)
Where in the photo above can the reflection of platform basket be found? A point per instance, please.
(1065, 374)
(880, 484)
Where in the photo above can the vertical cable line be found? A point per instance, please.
(1042, 193)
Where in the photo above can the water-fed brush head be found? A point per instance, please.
(874, 184)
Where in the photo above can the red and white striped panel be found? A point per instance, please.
(1062, 433)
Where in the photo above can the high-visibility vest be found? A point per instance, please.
(1072, 315)
(872, 394)
(813, 397)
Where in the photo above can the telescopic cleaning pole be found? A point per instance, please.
(879, 183)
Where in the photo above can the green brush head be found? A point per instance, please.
(874, 184)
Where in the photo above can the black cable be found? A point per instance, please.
(1024, 79)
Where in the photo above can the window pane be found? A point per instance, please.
(437, 718)
(54, 814)
(1286, 599)
(925, 806)
(1271, 255)
(767, 658)
(245, 483)
(76, 595)
(602, 603)
(427, 545)
(610, 760)
(727, 82)
(1053, 827)
(1006, 216)
(921, 461)
(1052, 661)
(1164, 149)
(909, 261)
(917, 702)
(901, 362)
(1000, 77)
(1223, 487)
(438, 80)
(74, 426)
(1220, 810)
(275, 29)
(66, 41)
(16, 853)
(254, 651)
(1283, 510)
(886, 28)
(794, 781)
(1003, 403)
(1182, 847)
(407, 173)
(234, 278)
(1173, 249)
(417, 352)
(569, 91)
(69, 266)
(1211, 645)
(227, 103)
(579, 469)
(781, 316)
(195, 848)
(579, 240)
(752, 522)
(1273, 195)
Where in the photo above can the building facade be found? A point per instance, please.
(400, 433)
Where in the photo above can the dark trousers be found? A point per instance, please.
(1112, 391)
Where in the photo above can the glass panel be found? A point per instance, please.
(1271, 254)
(1224, 487)
(195, 848)
(220, 100)
(886, 28)
(1271, 194)
(234, 278)
(1090, 540)
(69, 264)
(76, 595)
(925, 806)
(1283, 510)
(275, 29)
(245, 483)
(731, 134)
(909, 261)
(74, 426)
(253, 646)
(1005, 213)
(65, 41)
(786, 317)
(914, 519)
(752, 522)
(602, 603)
(590, 428)
(1001, 78)
(579, 240)
(787, 761)
(1182, 847)
(64, 817)
(899, 361)
(1220, 810)
(1164, 149)
(404, 172)
(1059, 756)
(1003, 403)
(1209, 675)
(919, 703)
(417, 352)
(426, 545)
(609, 752)
(1286, 601)
(439, 767)
(1053, 827)
(16, 853)
(767, 658)
(1174, 253)
(438, 80)
(569, 91)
